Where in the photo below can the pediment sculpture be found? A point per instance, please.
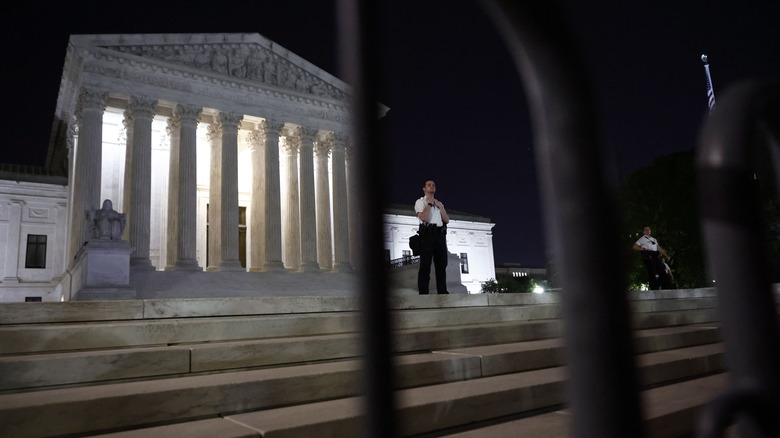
(250, 62)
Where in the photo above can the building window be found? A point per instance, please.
(464, 263)
(407, 254)
(36, 251)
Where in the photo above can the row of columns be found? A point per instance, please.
(307, 239)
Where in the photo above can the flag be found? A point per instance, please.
(710, 92)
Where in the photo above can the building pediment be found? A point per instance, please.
(243, 57)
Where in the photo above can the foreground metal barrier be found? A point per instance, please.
(732, 139)
(603, 389)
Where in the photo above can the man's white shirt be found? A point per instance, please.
(648, 243)
(435, 218)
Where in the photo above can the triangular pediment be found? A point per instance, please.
(245, 57)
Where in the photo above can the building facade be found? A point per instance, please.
(33, 213)
(469, 237)
(225, 152)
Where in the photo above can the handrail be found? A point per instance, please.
(728, 153)
(403, 261)
(356, 23)
(602, 384)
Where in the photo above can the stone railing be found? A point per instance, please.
(403, 261)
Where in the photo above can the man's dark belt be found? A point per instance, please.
(649, 255)
(425, 227)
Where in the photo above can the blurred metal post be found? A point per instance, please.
(357, 50)
(738, 260)
(580, 217)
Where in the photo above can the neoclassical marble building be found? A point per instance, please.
(178, 122)
(226, 152)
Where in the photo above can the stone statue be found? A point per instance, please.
(106, 223)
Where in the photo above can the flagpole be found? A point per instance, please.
(710, 92)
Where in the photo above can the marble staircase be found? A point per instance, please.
(466, 365)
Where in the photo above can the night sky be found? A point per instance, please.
(458, 113)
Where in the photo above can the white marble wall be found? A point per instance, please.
(470, 237)
(31, 208)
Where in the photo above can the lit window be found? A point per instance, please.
(464, 263)
(36, 251)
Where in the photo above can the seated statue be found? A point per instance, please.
(106, 223)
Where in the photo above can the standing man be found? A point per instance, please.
(433, 232)
(650, 249)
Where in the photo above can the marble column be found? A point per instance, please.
(88, 165)
(355, 250)
(229, 192)
(257, 226)
(292, 227)
(307, 203)
(322, 193)
(127, 121)
(273, 220)
(171, 225)
(341, 260)
(141, 187)
(186, 205)
(215, 198)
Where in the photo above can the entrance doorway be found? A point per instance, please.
(241, 235)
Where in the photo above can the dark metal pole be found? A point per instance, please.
(358, 46)
(738, 260)
(581, 220)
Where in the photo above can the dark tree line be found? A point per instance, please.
(664, 196)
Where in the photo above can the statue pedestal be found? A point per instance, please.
(101, 271)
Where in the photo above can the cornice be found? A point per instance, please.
(184, 79)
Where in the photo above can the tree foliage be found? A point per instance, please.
(663, 196)
(508, 284)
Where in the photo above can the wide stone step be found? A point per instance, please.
(110, 406)
(421, 409)
(24, 372)
(668, 411)
(84, 311)
(20, 372)
(433, 408)
(25, 338)
(675, 318)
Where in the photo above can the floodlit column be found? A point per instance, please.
(353, 220)
(340, 210)
(307, 203)
(257, 203)
(186, 204)
(88, 165)
(292, 229)
(273, 219)
(127, 121)
(321, 173)
(214, 219)
(172, 225)
(229, 192)
(141, 187)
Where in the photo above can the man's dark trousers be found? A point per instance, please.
(655, 268)
(433, 247)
